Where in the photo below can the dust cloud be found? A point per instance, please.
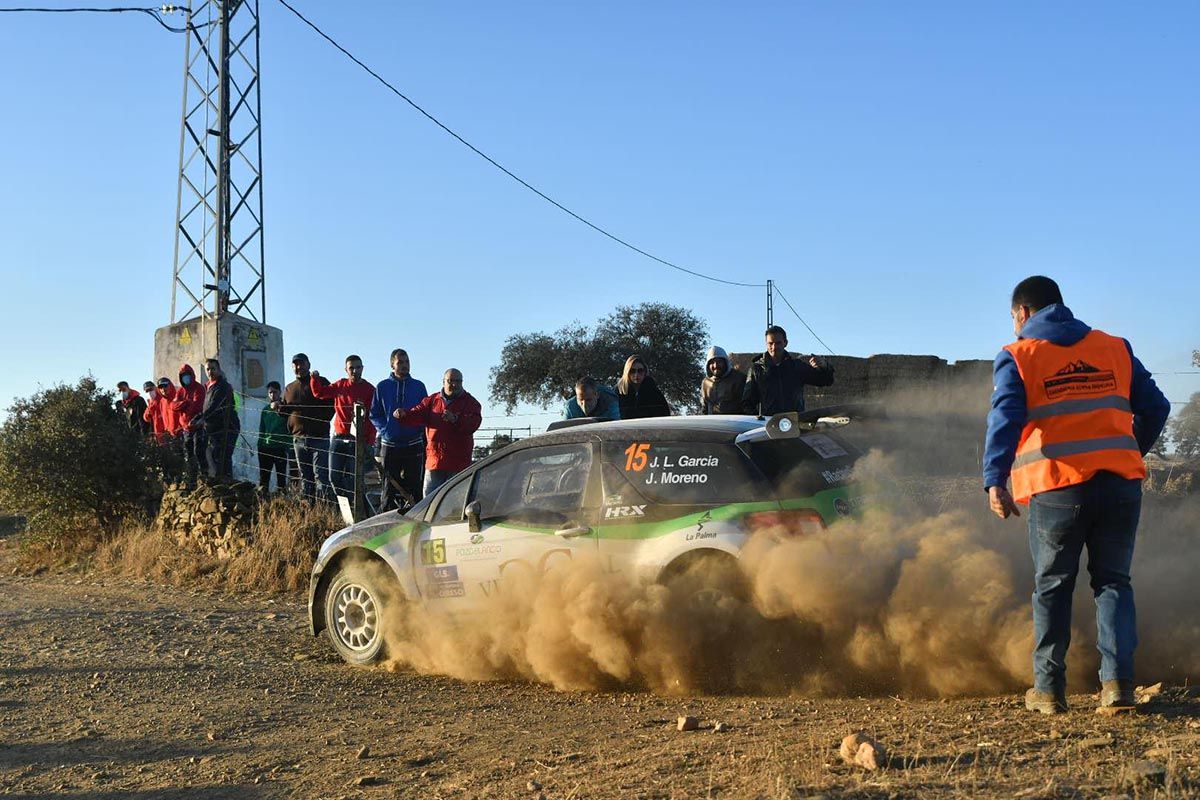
(926, 594)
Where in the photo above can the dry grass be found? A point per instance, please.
(279, 555)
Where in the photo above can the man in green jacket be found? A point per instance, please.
(273, 442)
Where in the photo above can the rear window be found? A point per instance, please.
(803, 466)
(679, 473)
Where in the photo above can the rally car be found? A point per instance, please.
(648, 497)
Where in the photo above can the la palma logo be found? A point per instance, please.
(1079, 378)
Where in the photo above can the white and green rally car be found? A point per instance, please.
(649, 497)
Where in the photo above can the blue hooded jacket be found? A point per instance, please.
(1056, 324)
(391, 394)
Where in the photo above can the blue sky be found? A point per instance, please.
(896, 168)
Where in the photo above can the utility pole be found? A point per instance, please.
(218, 297)
(770, 304)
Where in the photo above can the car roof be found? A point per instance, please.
(698, 428)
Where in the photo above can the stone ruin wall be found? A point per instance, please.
(858, 379)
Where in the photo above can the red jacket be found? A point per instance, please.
(450, 444)
(189, 400)
(344, 395)
(160, 413)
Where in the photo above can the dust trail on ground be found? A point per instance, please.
(926, 594)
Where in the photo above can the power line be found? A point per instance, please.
(802, 322)
(153, 13)
(504, 169)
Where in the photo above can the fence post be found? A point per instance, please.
(360, 499)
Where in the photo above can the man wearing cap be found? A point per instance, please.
(308, 422)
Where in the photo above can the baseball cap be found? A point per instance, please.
(299, 357)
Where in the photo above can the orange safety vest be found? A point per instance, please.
(1079, 419)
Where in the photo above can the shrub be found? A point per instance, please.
(70, 463)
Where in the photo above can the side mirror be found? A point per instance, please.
(472, 512)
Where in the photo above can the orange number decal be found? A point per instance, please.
(636, 457)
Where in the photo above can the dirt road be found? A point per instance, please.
(138, 691)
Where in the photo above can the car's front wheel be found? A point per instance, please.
(354, 615)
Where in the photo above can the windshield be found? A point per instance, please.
(417, 512)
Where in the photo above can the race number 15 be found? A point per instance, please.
(636, 456)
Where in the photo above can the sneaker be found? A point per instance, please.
(1046, 702)
(1116, 693)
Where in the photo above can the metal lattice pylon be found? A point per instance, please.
(218, 216)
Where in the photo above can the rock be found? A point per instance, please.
(369, 780)
(363, 752)
(1145, 772)
(720, 727)
(301, 657)
(861, 750)
(687, 724)
(1095, 741)
(208, 506)
(1148, 694)
(1116, 711)
(533, 786)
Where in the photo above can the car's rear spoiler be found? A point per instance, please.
(571, 423)
(789, 424)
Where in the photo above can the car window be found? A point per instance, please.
(450, 508)
(678, 473)
(803, 466)
(539, 486)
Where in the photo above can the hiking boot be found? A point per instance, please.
(1046, 702)
(1116, 693)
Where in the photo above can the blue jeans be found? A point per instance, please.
(341, 465)
(312, 456)
(434, 478)
(1101, 515)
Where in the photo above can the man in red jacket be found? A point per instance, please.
(188, 402)
(345, 393)
(451, 418)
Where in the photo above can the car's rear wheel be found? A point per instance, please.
(355, 608)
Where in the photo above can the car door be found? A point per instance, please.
(437, 574)
(536, 509)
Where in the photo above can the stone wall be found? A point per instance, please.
(858, 379)
(214, 518)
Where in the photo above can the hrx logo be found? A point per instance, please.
(616, 512)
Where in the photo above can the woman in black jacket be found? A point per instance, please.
(638, 394)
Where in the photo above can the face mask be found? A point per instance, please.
(125, 395)
(186, 380)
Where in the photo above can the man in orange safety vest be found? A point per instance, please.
(1073, 412)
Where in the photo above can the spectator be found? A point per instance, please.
(308, 422)
(722, 388)
(133, 406)
(345, 393)
(188, 402)
(401, 447)
(273, 443)
(163, 418)
(150, 415)
(219, 421)
(637, 392)
(450, 418)
(592, 400)
(777, 378)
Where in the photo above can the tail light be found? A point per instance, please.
(791, 522)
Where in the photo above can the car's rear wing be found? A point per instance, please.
(790, 424)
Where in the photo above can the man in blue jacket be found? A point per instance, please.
(1073, 412)
(401, 447)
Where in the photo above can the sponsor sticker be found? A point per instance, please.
(441, 574)
(823, 446)
(439, 591)
(476, 538)
(618, 512)
(842, 506)
(837, 475)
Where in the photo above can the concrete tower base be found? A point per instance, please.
(251, 355)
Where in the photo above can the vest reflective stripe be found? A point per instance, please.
(1078, 421)
(1079, 407)
(1064, 449)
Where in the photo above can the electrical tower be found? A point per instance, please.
(218, 297)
